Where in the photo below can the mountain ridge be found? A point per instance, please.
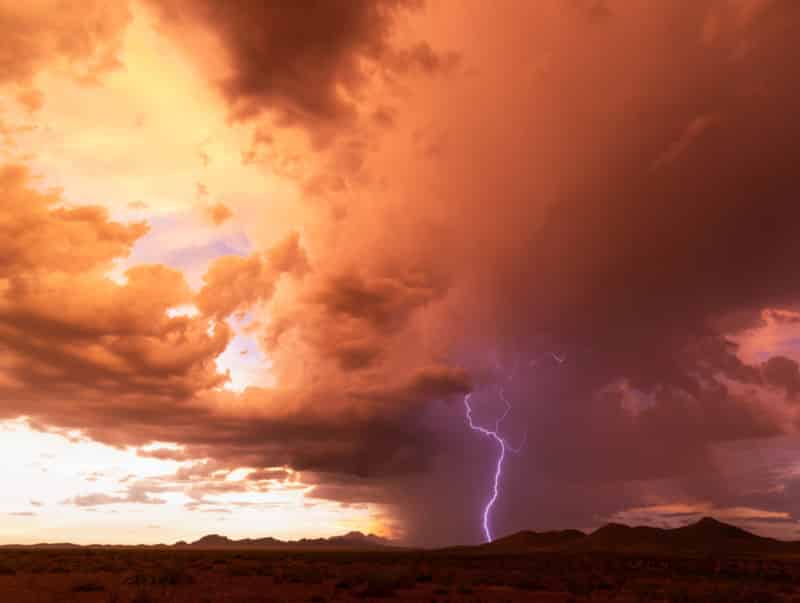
(353, 540)
(705, 536)
(350, 540)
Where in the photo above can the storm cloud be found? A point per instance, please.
(614, 182)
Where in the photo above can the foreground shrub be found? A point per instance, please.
(88, 587)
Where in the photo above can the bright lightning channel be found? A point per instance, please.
(503, 446)
(494, 434)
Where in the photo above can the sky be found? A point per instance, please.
(256, 254)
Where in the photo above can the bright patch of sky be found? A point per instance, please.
(244, 359)
(185, 242)
(49, 471)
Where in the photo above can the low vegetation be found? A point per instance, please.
(196, 576)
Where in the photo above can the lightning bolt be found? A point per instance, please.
(502, 444)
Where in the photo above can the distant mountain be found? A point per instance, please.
(616, 536)
(352, 541)
(536, 541)
(705, 536)
(349, 541)
(217, 541)
(43, 545)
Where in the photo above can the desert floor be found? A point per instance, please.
(143, 576)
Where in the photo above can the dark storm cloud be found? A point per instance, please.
(666, 218)
(434, 382)
(350, 316)
(632, 204)
(782, 372)
(303, 61)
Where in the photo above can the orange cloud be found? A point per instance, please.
(296, 72)
(83, 40)
(219, 213)
(234, 283)
(69, 325)
(111, 360)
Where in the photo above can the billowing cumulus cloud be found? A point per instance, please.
(81, 40)
(234, 283)
(348, 317)
(117, 362)
(70, 328)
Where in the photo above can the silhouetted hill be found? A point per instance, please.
(44, 545)
(705, 536)
(351, 540)
(616, 536)
(536, 541)
(708, 527)
(211, 540)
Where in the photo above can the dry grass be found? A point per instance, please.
(164, 576)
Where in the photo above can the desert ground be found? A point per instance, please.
(107, 575)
